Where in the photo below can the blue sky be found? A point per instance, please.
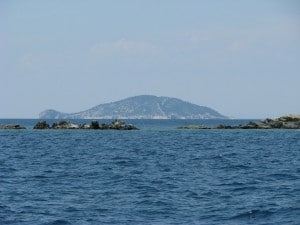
(241, 58)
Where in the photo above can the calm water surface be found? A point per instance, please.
(157, 175)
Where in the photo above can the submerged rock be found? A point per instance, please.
(191, 127)
(11, 127)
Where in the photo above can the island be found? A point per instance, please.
(140, 107)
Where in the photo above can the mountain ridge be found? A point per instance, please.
(140, 107)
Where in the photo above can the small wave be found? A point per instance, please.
(101, 210)
(147, 189)
(192, 194)
(58, 222)
(234, 183)
(40, 177)
(253, 214)
(154, 203)
(71, 209)
(4, 211)
(245, 188)
(241, 166)
(217, 156)
(283, 176)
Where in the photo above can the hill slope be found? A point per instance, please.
(140, 107)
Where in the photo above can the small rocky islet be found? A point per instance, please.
(115, 125)
(284, 122)
(94, 125)
(11, 127)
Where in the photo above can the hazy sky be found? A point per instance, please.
(241, 58)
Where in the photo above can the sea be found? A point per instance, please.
(156, 175)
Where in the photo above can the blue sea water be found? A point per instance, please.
(156, 175)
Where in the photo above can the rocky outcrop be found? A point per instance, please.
(94, 125)
(11, 127)
(42, 125)
(222, 126)
(284, 122)
(115, 125)
(64, 125)
(120, 125)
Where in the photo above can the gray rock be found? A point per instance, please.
(285, 122)
(222, 126)
(120, 125)
(42, 125)
(64, 125)
(11, 127)
(84, 126)
(115, 125)
(250, 125)
(94, 125)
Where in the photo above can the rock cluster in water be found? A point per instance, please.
(11, 126)
(284, 122)
(42, 125)
(115, 125)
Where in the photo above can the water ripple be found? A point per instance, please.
(149, 177)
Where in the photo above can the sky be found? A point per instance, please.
(241, 58)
